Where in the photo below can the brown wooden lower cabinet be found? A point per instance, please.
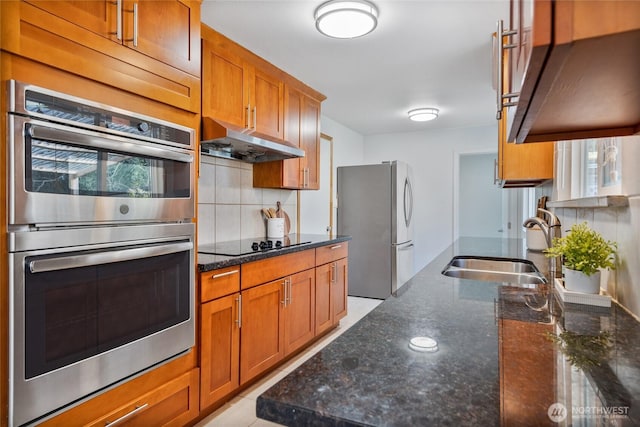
(248, 327)
(332, 275)
(219, 349)
(299, 310)
(261, 338)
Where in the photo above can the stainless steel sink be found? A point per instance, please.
(488, 269)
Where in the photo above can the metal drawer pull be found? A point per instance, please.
(336, 247)
(228, 273)
(127, 415)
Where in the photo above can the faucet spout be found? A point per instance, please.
(551, 229)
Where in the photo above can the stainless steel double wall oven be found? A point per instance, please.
(101, 247)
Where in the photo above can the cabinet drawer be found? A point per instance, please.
(266, 270)
(172, 404)
(218, 283)
(330, 253)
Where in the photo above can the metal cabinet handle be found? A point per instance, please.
(500, 97)
(228, 273)
(255, 118)
(284, 291)
(290, 293)
(127, 415)
(118, 31)
(135, 25)
(335, 247)
(239, 318)
(334, 272)
(247, 122)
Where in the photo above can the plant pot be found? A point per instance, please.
(577, 281)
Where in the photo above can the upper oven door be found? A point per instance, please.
(63, 174)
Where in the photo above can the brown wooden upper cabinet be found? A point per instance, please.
(302, 129)
(162, 30)
(575, 68)
(245, 91)
(147, 47)
(519, 165)
(240, 89)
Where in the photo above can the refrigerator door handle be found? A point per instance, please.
(408, 201)
(404, 248)
(408, 244)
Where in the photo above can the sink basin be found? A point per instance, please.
(488, 269)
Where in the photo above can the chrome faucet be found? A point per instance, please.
(551, 229)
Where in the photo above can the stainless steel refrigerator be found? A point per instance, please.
(375, 207)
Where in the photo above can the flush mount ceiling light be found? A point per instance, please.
(423, 114)
(346, 19)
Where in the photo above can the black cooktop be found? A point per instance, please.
(249, 246)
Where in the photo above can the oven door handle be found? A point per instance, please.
(87, 260)
(57, 133)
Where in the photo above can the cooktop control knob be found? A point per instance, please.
(143, 126)
(278, 244)
(263, 245)
(255, 246)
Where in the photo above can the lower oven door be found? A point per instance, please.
(84, 318)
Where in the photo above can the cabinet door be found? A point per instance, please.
(97, 16)
(324, 307)
(267, 106)
(310, 143)
(522, 164)
(219, 349)
(166, 30)
(292, 168)
(299, 310)
(340, 289)
(261, 340)
(224, 93)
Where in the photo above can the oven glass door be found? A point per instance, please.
(75, 310)
(106, 178)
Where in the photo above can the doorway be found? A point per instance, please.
(481, 208)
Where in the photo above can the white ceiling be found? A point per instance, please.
(424, 53)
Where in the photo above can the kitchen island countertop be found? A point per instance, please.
(370, 376)
(208, 262)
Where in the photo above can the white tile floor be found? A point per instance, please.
(241, 410)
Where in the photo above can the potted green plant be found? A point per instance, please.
(584, 253)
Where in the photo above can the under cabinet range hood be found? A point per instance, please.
(223, 140)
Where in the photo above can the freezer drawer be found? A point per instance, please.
(403, 268)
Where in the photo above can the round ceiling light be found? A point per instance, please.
(346, 19)
(423, 114)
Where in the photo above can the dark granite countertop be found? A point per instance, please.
(486, 332)
(207, 262)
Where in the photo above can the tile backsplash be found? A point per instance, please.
(228, 205)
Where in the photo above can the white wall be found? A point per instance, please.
(348, 145)
(431, 155)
